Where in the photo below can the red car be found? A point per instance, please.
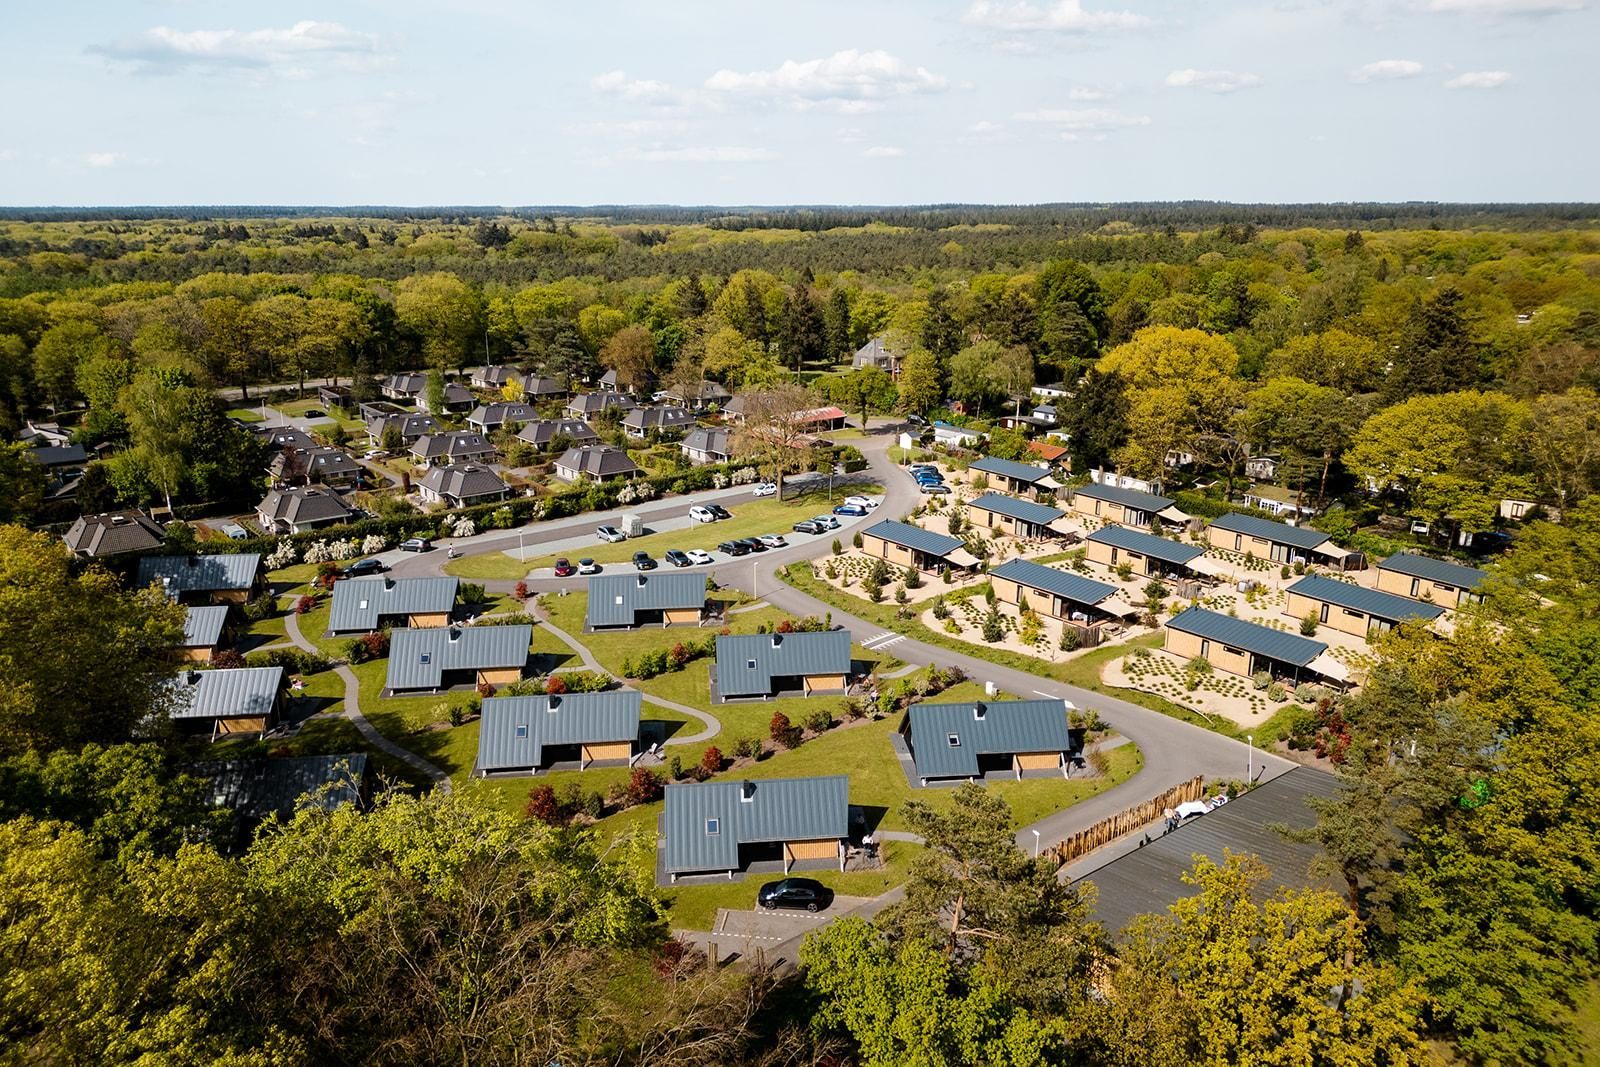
(565, 569)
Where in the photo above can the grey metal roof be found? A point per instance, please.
(778, 656)
(914, 537)
(58, 455)
(112, 533)
(1073, 587)
(1434, 570)
(274, 786)
(419, 658)
(1128, 498)
(1148, 544)
(1301, 537)
(1026, 510)
(202, 626)
(465, 443)
(306, 504)
(463, 481)
(597, 460)
(778, 809)
(1008, 468)
(1374, 602)
(542, 431)
(361, 603)
(232, 693)
(497, 414)
(200, 574)
(544, 387)
(614, 598)
(1004, 726)
(1250, 636)
(514, 730)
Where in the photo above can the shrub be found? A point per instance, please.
(837, 547)
(1283, 571)
(1305, 692)
(941, 610)
(1199, 665)
(675, 768)
(292, 660)
(747, 747)
(457, 714)
(485, 689)
(988, 593)
(1100, 760)
(521, 591)
(304, 604)
(1308, 625)
(1125, 571)
(1260, 679)
(543, 805)
(1071, 639)
(471, 593)
(555, 685)
(993, 629)
(819, 721)
(913, 578)
(856, 539)
(944, 573)
(711, 761)
(261, 607)
(900, 594)
(874, 590)
(851, 708)
(1276, 692)
(644, 786)
(779, 725)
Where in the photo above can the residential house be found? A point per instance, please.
(763, 666)
(592, 405)
(1147, 554)
(1023, 479)
(526, 735)
(629, 601)
(904, 545)
(1054, 391)
(700, 397)
(540, 389)
(820, 420)
(665, 420)
(1050, 454)
(230, 578)
(1278, 542)
(733, 410)
(1246, 648)
(255, 790)
(708, 446)
(43, 435)
(1513, 509)
(1127, 507)
(770, 824)
(436, 658)
(292, 511)
(1353, 609)
(1055, 593)
(112, 534)
(977, 738)
(610, 382)
(460, 485)
(407, 385)
(602, 463)
(955, 436)
(236, 700)
(490, 417)
(875, 353)
(321, 466)
(409, 427)
(203, 630)
(1425, 578)
(1276, 500)
(494, 377)
(60, 461)
(998, 513)
(336, 397)
(1262, 468)
(364, 605)
(543, 433)
(279, 438)
(455, 398)
(455, 446)
(1046, 414)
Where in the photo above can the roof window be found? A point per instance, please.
(713, 827)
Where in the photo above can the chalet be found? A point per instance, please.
(363, 605)
(203, 630)
(494, 377)
(726, 828)
(1246, 648)
(1263, 468)
(255, 790)
(1147, 554)
(763, 666)
(409, 427)
(112, 534)
(666, 419)
(1126, 507)
(602, 463)
(951, 436)
(221, 579)
(1513, 509)
(526, 735)
(239, 700)
(733, 410)
(875, 353)
(292, 511)
(1050, 454)
(543, 434)
(1023, 479)
(1278, 541)
(538, 389)
(321, 466)
(610, 382)
(1056, 593)
(436, 658)
(700, 397)
(487, 418)
(629, 601)
(460, 485)
(1003, 514)
(408, 385)
(456, 446)
(904, 545)
(1425, 578)
(708, 446)
(820, 420)
(1276, 500)
(592, 405)
(455, 397)
(976, 738)
(1353, 609)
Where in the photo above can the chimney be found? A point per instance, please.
(979, 710)
(194, 677)
(747, 790)
(455, 633)
(777, 639)
(194, 561)
(388, 581)
(552, 704)
(640, 580)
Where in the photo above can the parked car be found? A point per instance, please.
(772, 540)
(928, 476)
(643, 562)
(806, 893)
(752, 544)
(916, 420)
(719, 511)
(809, 526)
(702, 514)
(588, 566)
(611, 533)
(827, 522)
(676, 558)
(314, 413)
(699, 557)
(373, 453)
(935, 488)
(564, 568)
(765, 489)
(734, 548)
(363, 567)
(849, 509)
(868, 502)
(415, 544)
(923, 468)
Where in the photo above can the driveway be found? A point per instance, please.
(775, 935)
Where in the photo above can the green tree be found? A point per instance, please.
(1436, 352)
(920, 385)
(941, 332)
(1340, 360)
(1308, 424)
(60, 352)
(631, 352)
(22, 483)
(1182, 387)
(443, 313)
(972, 377)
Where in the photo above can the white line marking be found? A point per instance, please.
(1042, 693)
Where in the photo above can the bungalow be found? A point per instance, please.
(1513, 509)
(238, 700)
(610, 382)
(1246, 648)
(60, 461)
(708, 446)
(363, 605)
(545, 389)
(279, 438)
(409, 427)
(1023, 479)
(701, 396)
(495, 377)
(1050, 454)
(1263, 468)
(542, 433)
(730, 827)
(1126, 507)
(1353, 609)
(1147, 554)
(876, 354)
(112, 534)
(603, 463)
(1056, 594)
(1277, 541)
(489, 417)
(666, 419)
(820, 420)
(955, 436)
(592, 405)
(970, 740)
(526, 735)
(257, 789)
(292, 511)
(1276, 500)
(435, 658)
(905, 545)
(762, 666)
(629, 601)
(460, 485)
(456, 398)
(221, 579)
(733, 410)
(1422, 577)
(407, 385)
(456, 446)
(322, 466)
(999, 513)
(336, 396)
(203, 627)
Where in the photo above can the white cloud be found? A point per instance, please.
(1479, 79)
(1088, 94)
(1086, 119)
(617, 83)
(1505, 7)
(849, 81)
(1213, 81)
(292, 52)
(985, 126)
(884, 151)
(701, 154)
(1063, 16)
(104, 159)
(1386, 70)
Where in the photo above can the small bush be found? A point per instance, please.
(1283, 571)
(644, 786)
(471, 593)
(1260, 679)
(779, 725)
(543, 806)
(1200, 665)
(913, 578)
(1100, 760)
(262, 607)
(747, 747)
(711, 761)
(1308, 625)
(1071, 639)
(555, 685)
(1305, 692)
(900, 594)
(521, 591)
(837, 547)
(941, 610)
(675, 768)
(988, 593)
(993, 629)
(819, 721)
(856, 539)
(1276, 692)
(304, 604)
(226, 658)
(457, 715)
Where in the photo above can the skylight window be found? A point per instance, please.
(954, 740)
(522, 730)
(713, 827)
(426, 657)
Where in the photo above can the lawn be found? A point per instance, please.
(297, 409)
(245, 414)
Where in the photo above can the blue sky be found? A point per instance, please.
(837, 101)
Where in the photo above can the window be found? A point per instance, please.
(1516, 509)
(1416, 586)
(750, 664)
(1238, 542)
(363, 605)
(522, 730)
(1352, 614)
(1233, 651)
(713, 827)
(619, 600)
(426, 657)
(1113, 557)
(954, 740)
(1205, 647)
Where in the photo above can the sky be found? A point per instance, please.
(493, 102)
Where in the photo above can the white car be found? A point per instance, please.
(773, 540)
(868, 502)
(700, 514)
(766, 489)
(827, 522)
(700, 557)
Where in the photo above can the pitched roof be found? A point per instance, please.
(1250, 636)
(542, 431)
(274, 786)
(1434, 570)
(359, 603)
(825, 414)
(497, 414)
(1166, 551)
(58, 455)
(1006, 468)
(202, 626)
(544, 387)
(419, 658)
(614, 598)
(453, 443)
(200, 574)
(233, 693)
(593, 403)
(664, 417)
(321, 462)
(778, 809)
(1300, 537)
(496, 374)
(711, 441)
(1374, 602)
(914, 537)
(1128, 498)
(747, 663)
(406, 382)
(1047, 451)
(983, 728)
(410, 426)
(1013, 507)
(597, 460)
(463, 481)
(286, 437)
(305, 504)
(514, 730)
(112, 533)
(1073, 587)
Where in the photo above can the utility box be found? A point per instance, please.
(632, 525)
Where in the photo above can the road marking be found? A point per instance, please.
(1042, 693)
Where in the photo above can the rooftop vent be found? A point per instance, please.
(455, 633)
(388, 581)
(747, 790)
(979, 710)
(777, 639)
(641, 581)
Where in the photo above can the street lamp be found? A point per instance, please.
(1250, 758)
(1036, 844)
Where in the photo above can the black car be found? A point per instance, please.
(734, 548)
(676, 558)
(363, 567)
(719, 511)
(807, 893)
(752, 544)
(643, 562)
(810, 526)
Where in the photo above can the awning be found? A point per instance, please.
(1048, 482)
(1064, 532)
(960, 557)
(1211, 568)
(1113, 605)
(1329, 667)
(1192, 807)
(1172, 514)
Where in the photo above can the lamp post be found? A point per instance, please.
(1036, 844)
(1250, 758)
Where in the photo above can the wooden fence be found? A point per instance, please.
(1124, 822)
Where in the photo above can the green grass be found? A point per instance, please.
(245, 414)
(298, 408)
(1586, 1018)
(695, 907)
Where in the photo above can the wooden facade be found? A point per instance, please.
(1038, 761)
(681, 617)
(1414, 588)
(500, 676)
(823, 683)
(1345, 620)
(1221, 656)
(606, 751)
(825, 848)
